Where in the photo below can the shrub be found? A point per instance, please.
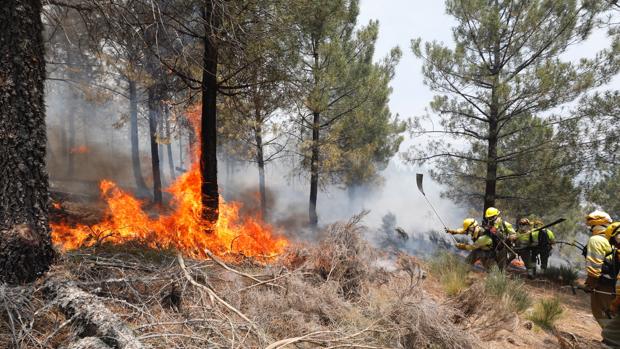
(564, 275)
(546, 312)
(513, 292)
(451, 271)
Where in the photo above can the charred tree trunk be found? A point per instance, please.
(169, 145)
(181, 150)
(135, 139)
(314, 170)
(260, 160)
(71, 136)
(491, 176)
(208, 127)
(153, 103)
(25, 244)
(160, 146)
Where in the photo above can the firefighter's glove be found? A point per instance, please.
(512, 237)
(461, 246)
(590, 283)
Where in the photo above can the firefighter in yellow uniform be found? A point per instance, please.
(481, 249)
(611, 332)
(541, 243)
(502, 234)
(601, 285)
(475, 231)
(470, 227)
(524, 246)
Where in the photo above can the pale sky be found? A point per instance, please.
(402, 20)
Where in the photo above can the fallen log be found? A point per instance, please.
(90, 318)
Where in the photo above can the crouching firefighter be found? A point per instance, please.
(597, 250)
(502, 233)
(611, 332)
(479, 249)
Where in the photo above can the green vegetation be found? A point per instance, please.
(451, 271)
(563, 275)
(499, 285)
(546, 312)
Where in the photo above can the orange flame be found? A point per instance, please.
(82, 149)
(183, 229)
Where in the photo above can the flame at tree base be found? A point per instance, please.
(183, 229)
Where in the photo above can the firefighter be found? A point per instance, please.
(611, 332)
(502, 234)
(541, 241)
(470, 227)
(474, 230)
(598, 249)
(481, 249)
(524, 247)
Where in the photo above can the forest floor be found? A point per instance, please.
(336, 293)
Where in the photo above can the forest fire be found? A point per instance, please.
(81, 149)
(183, 229)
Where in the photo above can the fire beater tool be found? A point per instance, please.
(419, 180)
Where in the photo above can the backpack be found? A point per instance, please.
(543, 239)
(610, 266)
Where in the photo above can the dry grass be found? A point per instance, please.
(451, 271)
(331, 295)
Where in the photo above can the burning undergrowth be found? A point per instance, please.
(331, 294)
(181, 227)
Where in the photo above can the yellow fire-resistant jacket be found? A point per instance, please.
(530, 239)
(503, 229)
(598, 248)
(478, 231)
(484, 242)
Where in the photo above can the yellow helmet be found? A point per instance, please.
(491, 212)
(612, 230)
(598, 218)
(469, 222)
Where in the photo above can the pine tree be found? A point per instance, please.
(25, 244)
(504, 68)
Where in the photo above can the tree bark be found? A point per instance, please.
(314, 170)
(260, 160)
(71, 135)
(208, 127)
(169, 145)
(25, 248)
(491, 177)
(160, 146)
(135, 138)
(153, 103)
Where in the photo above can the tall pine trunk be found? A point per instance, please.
(135, 140)
(208, 126)
(71, 135)
(314, 170)
(169, 145)
(491, 175)
(25, 243)
(160, 146)
(153, 104)
(260, 160)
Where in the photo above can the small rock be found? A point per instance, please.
(528, 325)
